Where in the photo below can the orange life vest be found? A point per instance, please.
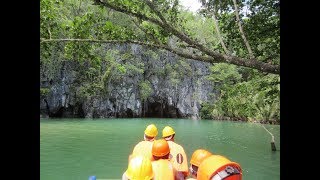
(178, 157)
(163, 169)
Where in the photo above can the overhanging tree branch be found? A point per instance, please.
(168, 48)
(151, 36)
(164, 25)
(219, 58)
(129, 12)
(251, 63)
(181, 35)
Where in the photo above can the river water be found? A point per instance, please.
(74, 149)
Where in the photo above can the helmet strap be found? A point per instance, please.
(228, 171)
(148, 138)
(170, 138)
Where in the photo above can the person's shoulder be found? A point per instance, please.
(176, 144)
(145, 143)
(164, 161)
(140, 143)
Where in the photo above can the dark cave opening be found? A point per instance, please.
(160, 110)
(70, 112)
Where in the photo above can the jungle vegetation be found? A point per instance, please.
(240, 38)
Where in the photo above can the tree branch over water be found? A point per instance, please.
(218, 58)
(165, 23)
(246, 85)
(159, 19)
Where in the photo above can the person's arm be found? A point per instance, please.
(178, 175)
(124, 177)
(185, 174)
(184, 165)
(133, 152)
(129, 158)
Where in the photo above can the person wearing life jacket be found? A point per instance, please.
(139, 168)
(197, 157)
(177, 153)
(217, 167)
(144, 147)
(162, 167)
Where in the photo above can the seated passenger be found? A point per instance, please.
(144, 147)
(197, 157)
(218, 167)
(162, 167)
(178, 155)
(139, 168)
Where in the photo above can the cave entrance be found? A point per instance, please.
(70, 112)
(160, 110)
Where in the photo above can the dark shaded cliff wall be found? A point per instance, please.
(177, 91)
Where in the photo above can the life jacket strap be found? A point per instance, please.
(228, 171)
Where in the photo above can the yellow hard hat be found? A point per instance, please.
(167, 131)
(151, 130)
(139, 168)
(198, 156)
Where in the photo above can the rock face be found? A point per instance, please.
(178, 87)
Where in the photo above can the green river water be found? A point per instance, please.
(74, 149)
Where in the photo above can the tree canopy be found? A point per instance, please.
(243, 33)
(241, 39)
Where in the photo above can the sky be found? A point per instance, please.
(192, 5)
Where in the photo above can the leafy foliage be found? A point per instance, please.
(261, 23)
(255, 99)
(44, 91)
(244, 93)
(145, 89)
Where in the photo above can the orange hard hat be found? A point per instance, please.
(219, 167)
(160, 148)
(198, 156)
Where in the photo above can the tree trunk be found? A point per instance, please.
(241, 30)
(219, 35)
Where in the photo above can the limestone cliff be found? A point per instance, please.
(175, 92)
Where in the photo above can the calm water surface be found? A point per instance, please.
(74, 149)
